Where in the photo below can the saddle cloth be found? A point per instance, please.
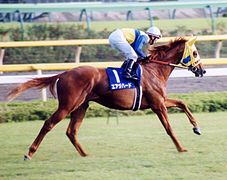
(117, 82)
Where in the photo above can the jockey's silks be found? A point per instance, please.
(129, 34)
(136, 39)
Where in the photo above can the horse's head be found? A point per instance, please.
(180, 53)
(191, 58)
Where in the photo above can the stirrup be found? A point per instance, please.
(127, 75)
(135, 77)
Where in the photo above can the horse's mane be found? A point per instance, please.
(160, 51)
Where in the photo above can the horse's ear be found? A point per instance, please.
(192, 40)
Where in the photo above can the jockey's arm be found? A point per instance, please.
(138, 46)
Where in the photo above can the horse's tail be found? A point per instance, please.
(37, 83)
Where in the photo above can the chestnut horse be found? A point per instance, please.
(76, 87)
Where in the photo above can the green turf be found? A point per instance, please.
(164, 24)
(198, 24)
(137, 148)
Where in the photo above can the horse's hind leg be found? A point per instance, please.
(77, 117)
(48, 125)
(180, 104)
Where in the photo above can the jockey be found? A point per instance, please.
(130, 42)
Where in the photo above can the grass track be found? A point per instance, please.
(195, 24)
(138, 148)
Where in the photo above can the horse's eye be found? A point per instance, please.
(195, 54)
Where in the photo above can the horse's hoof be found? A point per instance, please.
(84, 155)
(183, 150)
(27, 157)
(197, 131)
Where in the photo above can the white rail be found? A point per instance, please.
(12, 79)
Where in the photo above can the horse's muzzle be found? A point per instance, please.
(198, 71)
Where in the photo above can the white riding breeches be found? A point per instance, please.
(118, 41)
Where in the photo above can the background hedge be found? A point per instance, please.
(38, 110)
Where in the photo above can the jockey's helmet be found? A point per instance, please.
(154, 31)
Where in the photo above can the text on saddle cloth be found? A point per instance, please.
(117, 81)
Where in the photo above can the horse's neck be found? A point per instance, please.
(160, 71)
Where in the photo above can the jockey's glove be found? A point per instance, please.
(145, 58)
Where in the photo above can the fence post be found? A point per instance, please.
(213, 25)
(44, 90)
(218, 49)
(88, 19)
(150, 16)
(2, 52)
(77, 54)
(129, 15)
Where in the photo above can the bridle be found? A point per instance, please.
(188, 60)
(169, 64)
(197, 71)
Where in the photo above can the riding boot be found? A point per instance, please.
(124, 64)
(128, 69)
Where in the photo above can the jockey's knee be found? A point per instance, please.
(131, 58)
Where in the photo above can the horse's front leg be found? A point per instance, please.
(161, 112)
(180, 104)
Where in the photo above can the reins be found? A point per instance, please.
(168, 64)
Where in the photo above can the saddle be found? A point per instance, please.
(118, 82)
